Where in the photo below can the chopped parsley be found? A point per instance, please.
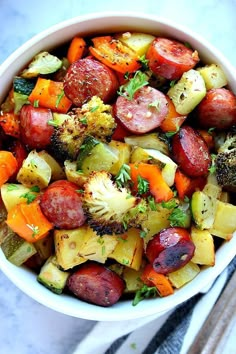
(123, 176)
(12, 187)
(144, 293)
(36, 103)
(171, 204)
(34, 228)
(94, 108)
(143, 185)
(155, 104)
(143, 233)
(59, 98)
(144, 62)
(84, 121)
(170, 134)
(52, 122)
(137, 82)
(172, 83)
(152, 203)
(31, 196)
(177, 217)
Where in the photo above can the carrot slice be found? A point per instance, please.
(50, 94)
(10, 123)
(157, 185)
(76, 49)
(28, 221)
(208, 137)
(186, 186)
(8, 166)
(160, 281)
(173, 119)
(115, 54)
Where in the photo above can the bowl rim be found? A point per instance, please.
(116, 312)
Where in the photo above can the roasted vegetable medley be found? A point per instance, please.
(117, 167)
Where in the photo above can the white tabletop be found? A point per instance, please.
(27, 327)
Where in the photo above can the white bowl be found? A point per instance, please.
(57, 35)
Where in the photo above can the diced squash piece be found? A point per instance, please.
(97, 248)
(67, 246)
(188, 92)
(224, 224)
(52, 277)
(213, 76)
(77, 177)
(13, 194)
(184, 275)
(16, 249)
(155, 222)
(124, 151)
(132, 279)
(138, 42)
(203, 210)
(148, 141)
(45, 247)
(204, 247)
(129, 249)
(35, 171)
(139, 155)
(56, 170)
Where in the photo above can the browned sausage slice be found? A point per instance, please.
(191, 152)
(144, 112)
(34, 128)
(170, 58)
(86, 78)
(170, 250)
(217, 109)
(62, 206)
(95, 283)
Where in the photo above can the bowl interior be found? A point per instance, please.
(53, 37)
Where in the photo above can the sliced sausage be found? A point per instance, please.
(170, 250)
(95, 283)
(144, 112)
(191, 153)
(62, 205)
(170, 58)
(34, 128)
(86, 78)
(217, 109)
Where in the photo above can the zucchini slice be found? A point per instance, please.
(16, 249)
(96, 156)
(22, 85)
(52, 277)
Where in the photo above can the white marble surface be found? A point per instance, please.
(27, 327)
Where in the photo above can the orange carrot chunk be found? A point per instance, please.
(28, 221)
(8, 166)
(152, 174)
(173, 119)
(76, 49)
(185, 185)
(115, 54)
(50, 94)
(10, 123)
(160, 281)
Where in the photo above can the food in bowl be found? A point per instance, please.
(116, 181)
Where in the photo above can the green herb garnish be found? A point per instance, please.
(12, 187)
(59, 98)
(137, 82)
(177, 217)
(123, 176)
(143, 185)
(144, 293)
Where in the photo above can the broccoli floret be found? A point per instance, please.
(92, 119)
(111, 210)
(225, 164)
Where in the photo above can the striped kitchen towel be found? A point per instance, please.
(172, 333)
